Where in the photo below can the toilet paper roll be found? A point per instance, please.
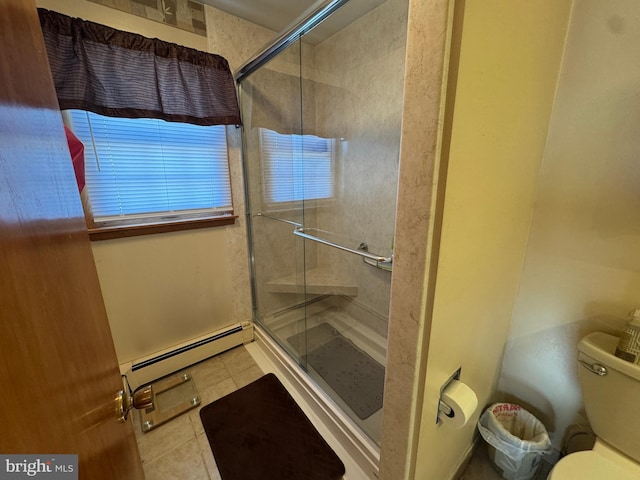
(462, 401)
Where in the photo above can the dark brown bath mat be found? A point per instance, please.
(259, 433)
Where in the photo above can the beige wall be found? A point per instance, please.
(582, 268)
(162, 289)
(509, 63)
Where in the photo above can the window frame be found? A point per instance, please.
(154, 222)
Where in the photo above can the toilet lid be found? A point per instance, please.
(589, 465)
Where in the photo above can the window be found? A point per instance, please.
(148, 171)
(297, 167)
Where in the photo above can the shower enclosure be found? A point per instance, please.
(322, 115)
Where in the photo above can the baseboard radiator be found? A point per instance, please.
(147, 369)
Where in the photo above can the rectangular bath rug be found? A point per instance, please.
(260, 433)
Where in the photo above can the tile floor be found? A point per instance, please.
(179, 449)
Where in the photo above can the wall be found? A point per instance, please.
(509, 62)
(359, 75)
(162, 289)
(582, 268)
(124, 21)
(425, 72)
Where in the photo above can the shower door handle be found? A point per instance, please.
(301, 232)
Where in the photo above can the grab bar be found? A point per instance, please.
(300, 232)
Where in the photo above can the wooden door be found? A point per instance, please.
(58, 368)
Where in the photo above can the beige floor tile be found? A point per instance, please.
(207, 457)
(247, 376)
(183, 462)
(179, 448)
(209, 372)
(164, 438)
(210, 393)
(237, 359)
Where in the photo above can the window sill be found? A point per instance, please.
(122, 231)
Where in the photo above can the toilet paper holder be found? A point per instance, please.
(443, 408)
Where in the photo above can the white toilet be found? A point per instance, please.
(611, 391)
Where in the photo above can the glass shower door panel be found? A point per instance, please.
(321, 139)
(270, 102)
(353, 87)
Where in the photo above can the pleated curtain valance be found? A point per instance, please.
(122, 74)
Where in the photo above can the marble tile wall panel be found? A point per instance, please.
(359, 84)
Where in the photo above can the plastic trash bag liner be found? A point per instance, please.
(519, 439)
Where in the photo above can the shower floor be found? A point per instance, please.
(352, 374)
(292, 324)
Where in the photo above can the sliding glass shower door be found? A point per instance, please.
(321, 145)
(271, 98)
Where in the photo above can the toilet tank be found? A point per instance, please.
(612, 399)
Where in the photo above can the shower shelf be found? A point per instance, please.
(319, 281)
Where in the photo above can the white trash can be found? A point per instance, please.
(517, 440)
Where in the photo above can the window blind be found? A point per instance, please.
(297, 167)
(144, 167)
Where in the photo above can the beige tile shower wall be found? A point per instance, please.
(358, 86)
(235, 39)
(271, 98)
(160, 290)
(582, 269)
(425, 72)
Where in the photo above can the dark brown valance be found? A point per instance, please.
(122, 74)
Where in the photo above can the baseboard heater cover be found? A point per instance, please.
(147, 369)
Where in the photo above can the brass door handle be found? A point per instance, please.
(143, 399)
(125, 402)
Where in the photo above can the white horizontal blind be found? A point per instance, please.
(141, 167)
(297, 167)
